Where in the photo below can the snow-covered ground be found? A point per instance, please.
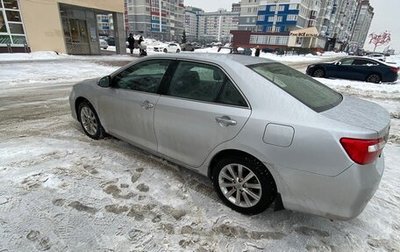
(62, 191)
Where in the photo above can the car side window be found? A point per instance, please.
(196, 81)
(362, 62)
(346, 62)
(231, 96)
(145, 76)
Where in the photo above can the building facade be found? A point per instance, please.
(192, 22)
(339, 23)
(248, 15)
(69, 26)
(217, 26)
(159, 19)
(105, 25)
(365, 14)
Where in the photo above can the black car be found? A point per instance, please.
(356, 68)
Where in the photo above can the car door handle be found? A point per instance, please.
(147, 105)
(225, 121)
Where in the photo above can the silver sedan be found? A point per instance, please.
(261, 131)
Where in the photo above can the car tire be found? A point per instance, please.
(318, 73)
(165, 50)
(374, 78)
(178, 51)
(90, 121)
(232, 189)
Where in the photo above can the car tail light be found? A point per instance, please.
(363, 151)
(395, 69)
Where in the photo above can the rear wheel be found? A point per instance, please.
(244, 184)
(178, 51)
(319, 73)
(90, 121)
(165, 50)
(374, 78)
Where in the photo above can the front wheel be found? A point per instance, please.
(178, 51)
(374, 78)
(165, 50)
(244, 184)
(90, 121)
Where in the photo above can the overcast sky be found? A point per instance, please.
(385, 18)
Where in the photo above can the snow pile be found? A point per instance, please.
(34, 56)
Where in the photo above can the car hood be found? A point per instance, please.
(361, 113)
(89, 82)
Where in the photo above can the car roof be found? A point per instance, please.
(218, 58)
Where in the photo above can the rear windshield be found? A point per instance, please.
(310, 92)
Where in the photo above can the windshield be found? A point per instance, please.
(310, 92)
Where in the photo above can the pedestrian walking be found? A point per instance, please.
(257, 53)
(131, 42)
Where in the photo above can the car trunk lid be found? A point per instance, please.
(361, 113)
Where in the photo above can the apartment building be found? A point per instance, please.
(105, 24)
(69, 26)
(334, 21)
(192, 22)
(365, 14)
(159, 19)
(248, 15)
(217, 26)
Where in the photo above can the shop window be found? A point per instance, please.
(5, 39)
(13, 16)
(19, 40)
(16, 28)
(3, 27)
(11, 4)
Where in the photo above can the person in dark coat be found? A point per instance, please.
(131, 41)
(257, 53)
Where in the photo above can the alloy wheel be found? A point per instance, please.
(89, 121)
(240, 185)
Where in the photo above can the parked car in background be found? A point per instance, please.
(356, 68)
(169, 48)
(308, 147)
(377, 56)
(111, 41)
(187, 47)
(103, 44)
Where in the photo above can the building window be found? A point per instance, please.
(279, 19)
(277, 29)
(293, 6)
(10, 4)
(281, 7)
(272, 8)
(261, 18)
(291, 18)
(271, 19)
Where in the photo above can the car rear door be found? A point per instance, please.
(128, 107)
(362, 68)
(198, 110)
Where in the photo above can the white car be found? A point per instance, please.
(169, 48)
(103, 44)
(377, 56)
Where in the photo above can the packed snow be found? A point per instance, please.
(62, 191)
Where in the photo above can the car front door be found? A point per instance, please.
(343, 69)
(199, 109)
(128, 107)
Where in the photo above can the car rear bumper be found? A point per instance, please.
(341, 197)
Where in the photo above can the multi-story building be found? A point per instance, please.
(363, 20)
(70, 26)
(217, 26)
(248, 15)
(335, 21)
(286, 15)
(159, 19)
(192, 22)
(236, 7)
(105, 24)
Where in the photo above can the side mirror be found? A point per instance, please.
(338, 63)
(105, 82)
